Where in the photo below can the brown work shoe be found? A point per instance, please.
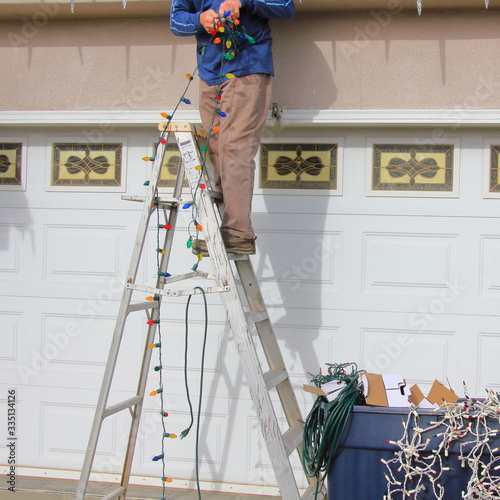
(240, 246)
(233, 244)
(200, 247)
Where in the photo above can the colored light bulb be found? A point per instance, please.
(216, 129)
(157, 368)
(228, 75)
(189, 76)
(198, 167)
(146, 183)
(148, 158)
(203, 148)
(154, 393)
(203, 186)
(163, 141)
(164, 414)
(158, 457)
(164, 226)
(186, 205)
(161, 250)
(217, 40)
(152, 346)
(165, 115)
(199, 227)
(187, 101)
(153, 322)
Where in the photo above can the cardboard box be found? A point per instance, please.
(439, 394)
(329, 391)
(418, 399)
(385, 390)
(389, 390)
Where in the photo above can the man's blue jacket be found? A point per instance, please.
(254, 21)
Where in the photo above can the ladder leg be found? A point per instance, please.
(103, 398)
(118, 331)
(146, 360)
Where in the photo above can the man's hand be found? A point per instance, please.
(209, 19)
(232, 6)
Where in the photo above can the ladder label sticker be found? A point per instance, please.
(189, 157)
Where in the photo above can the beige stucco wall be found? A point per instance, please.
(345, 60)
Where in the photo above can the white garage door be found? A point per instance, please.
(397, 269)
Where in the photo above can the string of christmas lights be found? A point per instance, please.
(471, 426)
(232, 38)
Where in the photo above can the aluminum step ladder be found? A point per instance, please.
(243, 319)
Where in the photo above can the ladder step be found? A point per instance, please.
(292, 438)
(162, 200)
(177, 292)
(128, 403)
(182, 127)
(310, 493)
(115, 493)
(256, 316)
(193, 274)
(142, 306)
(215, 195)
(274, 377)
(236, 256)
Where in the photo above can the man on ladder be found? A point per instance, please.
(235, 95)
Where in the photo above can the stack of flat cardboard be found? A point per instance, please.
(391, 391)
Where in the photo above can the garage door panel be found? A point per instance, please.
(82, 253)
(409, 263)
(490, 266)
(396, 351)
(308, 261)
(69, 254)
(13, 251)
(56, 345)
(12, 328)
(488, 356)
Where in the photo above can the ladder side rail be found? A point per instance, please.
(137, 412)
(239, 326)
(269, 341)
(146, 359)
(271, 349)
(267, 335)
(119, 328)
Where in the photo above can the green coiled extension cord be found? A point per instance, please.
(326, 422)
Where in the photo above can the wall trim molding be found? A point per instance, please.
(372, 117)
(182, 484)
